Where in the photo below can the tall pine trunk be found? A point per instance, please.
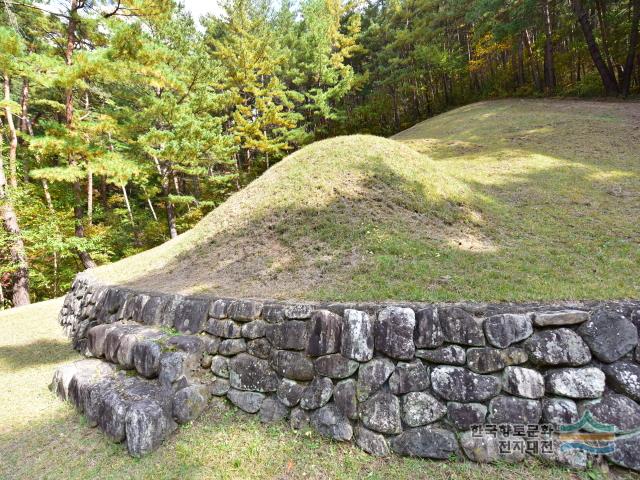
(17, 253)
(78, 210)
(627, 74)
(608, 78)
(13, 135)
(549, 63)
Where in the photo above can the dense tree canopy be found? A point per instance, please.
(124, 122)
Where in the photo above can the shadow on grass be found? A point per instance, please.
(40, 352)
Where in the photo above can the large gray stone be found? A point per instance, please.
(220, 366)
(409, 377)
(293, 365)
(357, 336)
(146, 358)
(298, 311)
(219, 387)
(381, 413)
(218, 309)
(426, 442)
(191, 315)
(506, 329)
(290, 392)
(487, 448)
(317, 393)
(421, 408)
(224, 328)
(335, 366)
(613, 409)
(371, 442)
(461, 385)
(299, 419)
(459, 326)
(627, 453)
(609, 335)
(513, 410)
(329, 422)
(146, 426)
(189, 403)
(557, 347)
(372, 375)
(485, 360)
(325, 332)
(254, 329)
(624, 377)
(344, 396)
(260, 347)
(244, 310)
(250, 373)
(560, 318)
(96, 337)
(463, 416)
(232, 346)
(428, 332)
(273, 410)
(559, 411)
(393, 332)
(447, 355)
(578, 383)
(288, 335)
(523, 382)
(250, 402)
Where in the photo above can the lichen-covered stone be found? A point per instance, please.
(218, 309)
(146, 358)
(421, 408)
(220, 366)
(299, 419)
(459, 326)
(344, 396)
(609, 335)
(506, 329)
(393, 332)
(298, 311)
(146, 426)
(613, 409)
(232, 346)
(560, 318)
(578, 383)
(254, 329)
(96, 337)
(191, 315)
(371, 442)
(249, 402)
(372, 375)
(329, 422)
(486, 448)
(559, 411)
(290, 392)
(189, 403)
(409, 377)
(485, 360)
(624, 377)
(523, 382)
(247, 372)
(557, 347)
(190, 344)
(289, 335)
(426, 442)
(317, 393)
(458, 384)
(335, 366)
(428, 332)
(325, 332)
(244, 310)
(260, 347)
(514, 356)
(448, 355)
(514, 410)
(357, 336)
(272, 411)
(381, 413)
(293, 365)
(224, 328)
(219, 387)
(626, 453)
(463, 416)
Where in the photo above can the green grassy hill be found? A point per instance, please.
(504, 200)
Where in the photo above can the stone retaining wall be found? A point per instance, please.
(486, 381)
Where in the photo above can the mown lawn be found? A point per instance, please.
(41, 437)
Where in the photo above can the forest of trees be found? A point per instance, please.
(122, 123)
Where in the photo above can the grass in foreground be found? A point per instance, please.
(41, 437)
(505, 200)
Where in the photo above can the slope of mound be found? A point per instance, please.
(506, 200)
